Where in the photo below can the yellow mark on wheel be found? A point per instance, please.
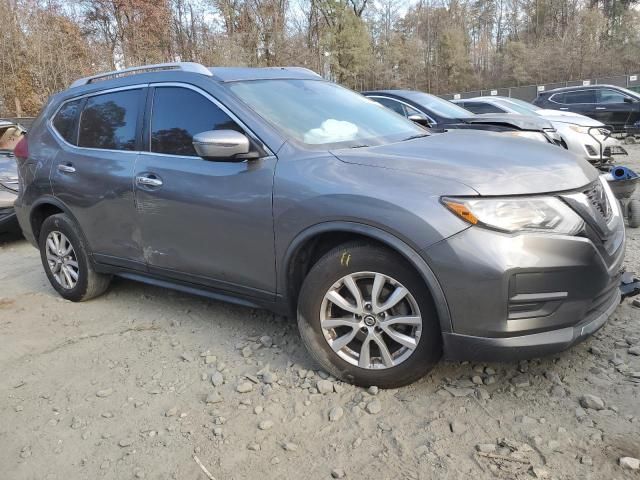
(344, 259)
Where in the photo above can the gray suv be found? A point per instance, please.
(273, 188)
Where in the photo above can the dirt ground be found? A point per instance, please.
(145, 382)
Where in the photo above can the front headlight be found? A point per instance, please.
(530, 135)
(579, 129)
(522, 214)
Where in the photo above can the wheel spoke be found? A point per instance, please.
(365, 360)
(351, 285)
(67, 277)
(384, 351)
(56, 241)
(378, 283)
(72, 263)
(341, 342)
(398, 294)
(402, 320)
(52, 246)
(72, 273)
(67, 248)
(401, 338)
(337, 299)
(339, 322)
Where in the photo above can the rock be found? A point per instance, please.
(104, 393)
(634, 350)
(217, 379)
(275, 461)
(266, 341)
(209, 359)
(125, 442)
(139, 473)
(553, 377)
(76, 423)
(265, 425)
(373, 390)
(486, 447)
(253, 447)
(186, 357)
(335, 414)
(337, 473)
(324, 386)
(558, 391)
(217, 431)
(477, 379)
(457, 427)
(458, 391)
(490, 371)
(374, 406)
(636, 302)
(616, 359)
(521, 381)
(482, 394)
(591, 401)
(630, 463)
(244, 387)
(586, 460)
(290, 447)
(213, 397)
(539, 472)
(25, 452)
(580, 412)
(258, 410)
(269, 378)
(172, 412)
(247, 351)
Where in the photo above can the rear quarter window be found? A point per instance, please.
(64, 121)
(109, 121)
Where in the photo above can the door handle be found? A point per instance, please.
(564, 108)
(149, 181)
(601, 108)
(66, 168)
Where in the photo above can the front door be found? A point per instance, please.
(203, 222)
(614, 109)
(92, 173)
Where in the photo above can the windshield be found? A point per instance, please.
(438, 106)
(520, 106)
(322, 113)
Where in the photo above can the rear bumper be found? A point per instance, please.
(466, 347)
(8, 220)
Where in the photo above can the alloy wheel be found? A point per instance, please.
(371, 320)
(62, 260)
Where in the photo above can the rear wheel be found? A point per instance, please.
(66, 262)
(367, 317)
(633, 213)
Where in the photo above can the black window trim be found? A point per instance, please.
(140, 86)
(146, 144)
(611, 89)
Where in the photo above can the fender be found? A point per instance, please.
(51, 200)
(384, 237)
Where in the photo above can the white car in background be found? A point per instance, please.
(575, 129)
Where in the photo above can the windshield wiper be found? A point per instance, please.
(419, 135)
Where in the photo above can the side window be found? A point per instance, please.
(180, 113)
(557, 98)
(108, 121)
(482, 107)
(580, 96)
(411, 111)
(610, 96)
(392, 104)
(65, 121)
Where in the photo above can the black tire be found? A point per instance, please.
(89, 283)
(360, 257)
(633, 213)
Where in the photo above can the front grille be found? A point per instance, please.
(591, 150)
(606, 152)
(597, 198)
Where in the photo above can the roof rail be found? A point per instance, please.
(184, 66)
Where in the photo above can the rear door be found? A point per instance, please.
(204, 222)
(92, 173)
(580, 101)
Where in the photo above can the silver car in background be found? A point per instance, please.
(577, 131)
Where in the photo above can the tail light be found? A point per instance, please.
(21, 150)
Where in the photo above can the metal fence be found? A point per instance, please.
(530, 92)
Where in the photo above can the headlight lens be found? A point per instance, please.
(530, 135)
(532, 214)
(579, 129)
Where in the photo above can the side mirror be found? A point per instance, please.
(628, 100)
(420, 119)
(221, 145)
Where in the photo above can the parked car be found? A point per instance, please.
(274, 188)
(611, 105)
(440, 115)
(577, 131)
(10, 135)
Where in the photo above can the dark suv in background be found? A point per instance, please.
(274, 188)
(614, 106)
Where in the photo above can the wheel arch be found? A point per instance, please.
(309, 245)
(44, 208)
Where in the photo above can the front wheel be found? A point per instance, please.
(633, 213)
(367, 317)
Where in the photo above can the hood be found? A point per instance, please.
(569, 117)
(521, 122)
(490, 163)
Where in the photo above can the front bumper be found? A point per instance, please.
(522, 296)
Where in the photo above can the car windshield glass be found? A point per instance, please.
(438, 106)
(519, 106)
(321, 113)
(631, 93)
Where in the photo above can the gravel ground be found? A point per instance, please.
(146, 383)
